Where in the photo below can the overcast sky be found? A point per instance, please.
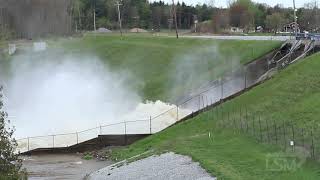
(223, 3)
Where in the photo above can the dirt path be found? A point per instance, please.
(68, 166)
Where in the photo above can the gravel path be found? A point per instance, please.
(167, 166)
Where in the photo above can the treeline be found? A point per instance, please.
(244, 14)
(138, 13)
(249, 15)
(35, 18)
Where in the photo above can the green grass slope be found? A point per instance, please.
(162, 64)
(292, 95)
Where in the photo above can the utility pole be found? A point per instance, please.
(195, 20)
(295, 18)
(175, 18)
(118, 4)
(94, 16)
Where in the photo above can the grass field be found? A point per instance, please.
(292, 95)
(163, 65)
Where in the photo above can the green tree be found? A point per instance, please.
(260, 15)
(9, 165)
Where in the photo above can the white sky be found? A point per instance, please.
(223, 3)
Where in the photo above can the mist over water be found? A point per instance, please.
(46, 95)
(192, 71)
(52, 93)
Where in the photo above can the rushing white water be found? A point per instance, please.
(46, 95)
(57, 94)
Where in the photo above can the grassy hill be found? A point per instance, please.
(162, 65)
(291, 96)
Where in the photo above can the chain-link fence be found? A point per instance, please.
(231, 84)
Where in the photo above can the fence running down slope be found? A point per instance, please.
(230, 84)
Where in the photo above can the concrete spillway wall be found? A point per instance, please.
(99, 142)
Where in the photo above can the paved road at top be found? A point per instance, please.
(259, 38)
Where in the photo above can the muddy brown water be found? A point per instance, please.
(60, 166)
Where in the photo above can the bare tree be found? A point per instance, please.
(47, 17)
(175, 18)
(220, 20)
(309, 17)
(274, 22)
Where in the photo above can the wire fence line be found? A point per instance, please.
(287, 135)
(232, 83)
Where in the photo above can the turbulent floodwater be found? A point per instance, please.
(47, 94)
(56, 94)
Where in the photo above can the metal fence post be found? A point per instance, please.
(247, 122)
(218, 109)
(177, 113)
(53, 141)
(125, 132)
(275, 131)
(293, 146)
(100, 129)
(221, 83)
(77, 137)
(208, 102)
(202, 102)
(228, 117)
(284, 136)
(199, 103)
(253, 126)
(212, 113)
(150, 125)
(312, 145)
(222, 119)
(268, 134)
(208, 111)
(260, 128)
(245, 78)
(302, 133)
(28, 144)
(240, 120)
(234, 124)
